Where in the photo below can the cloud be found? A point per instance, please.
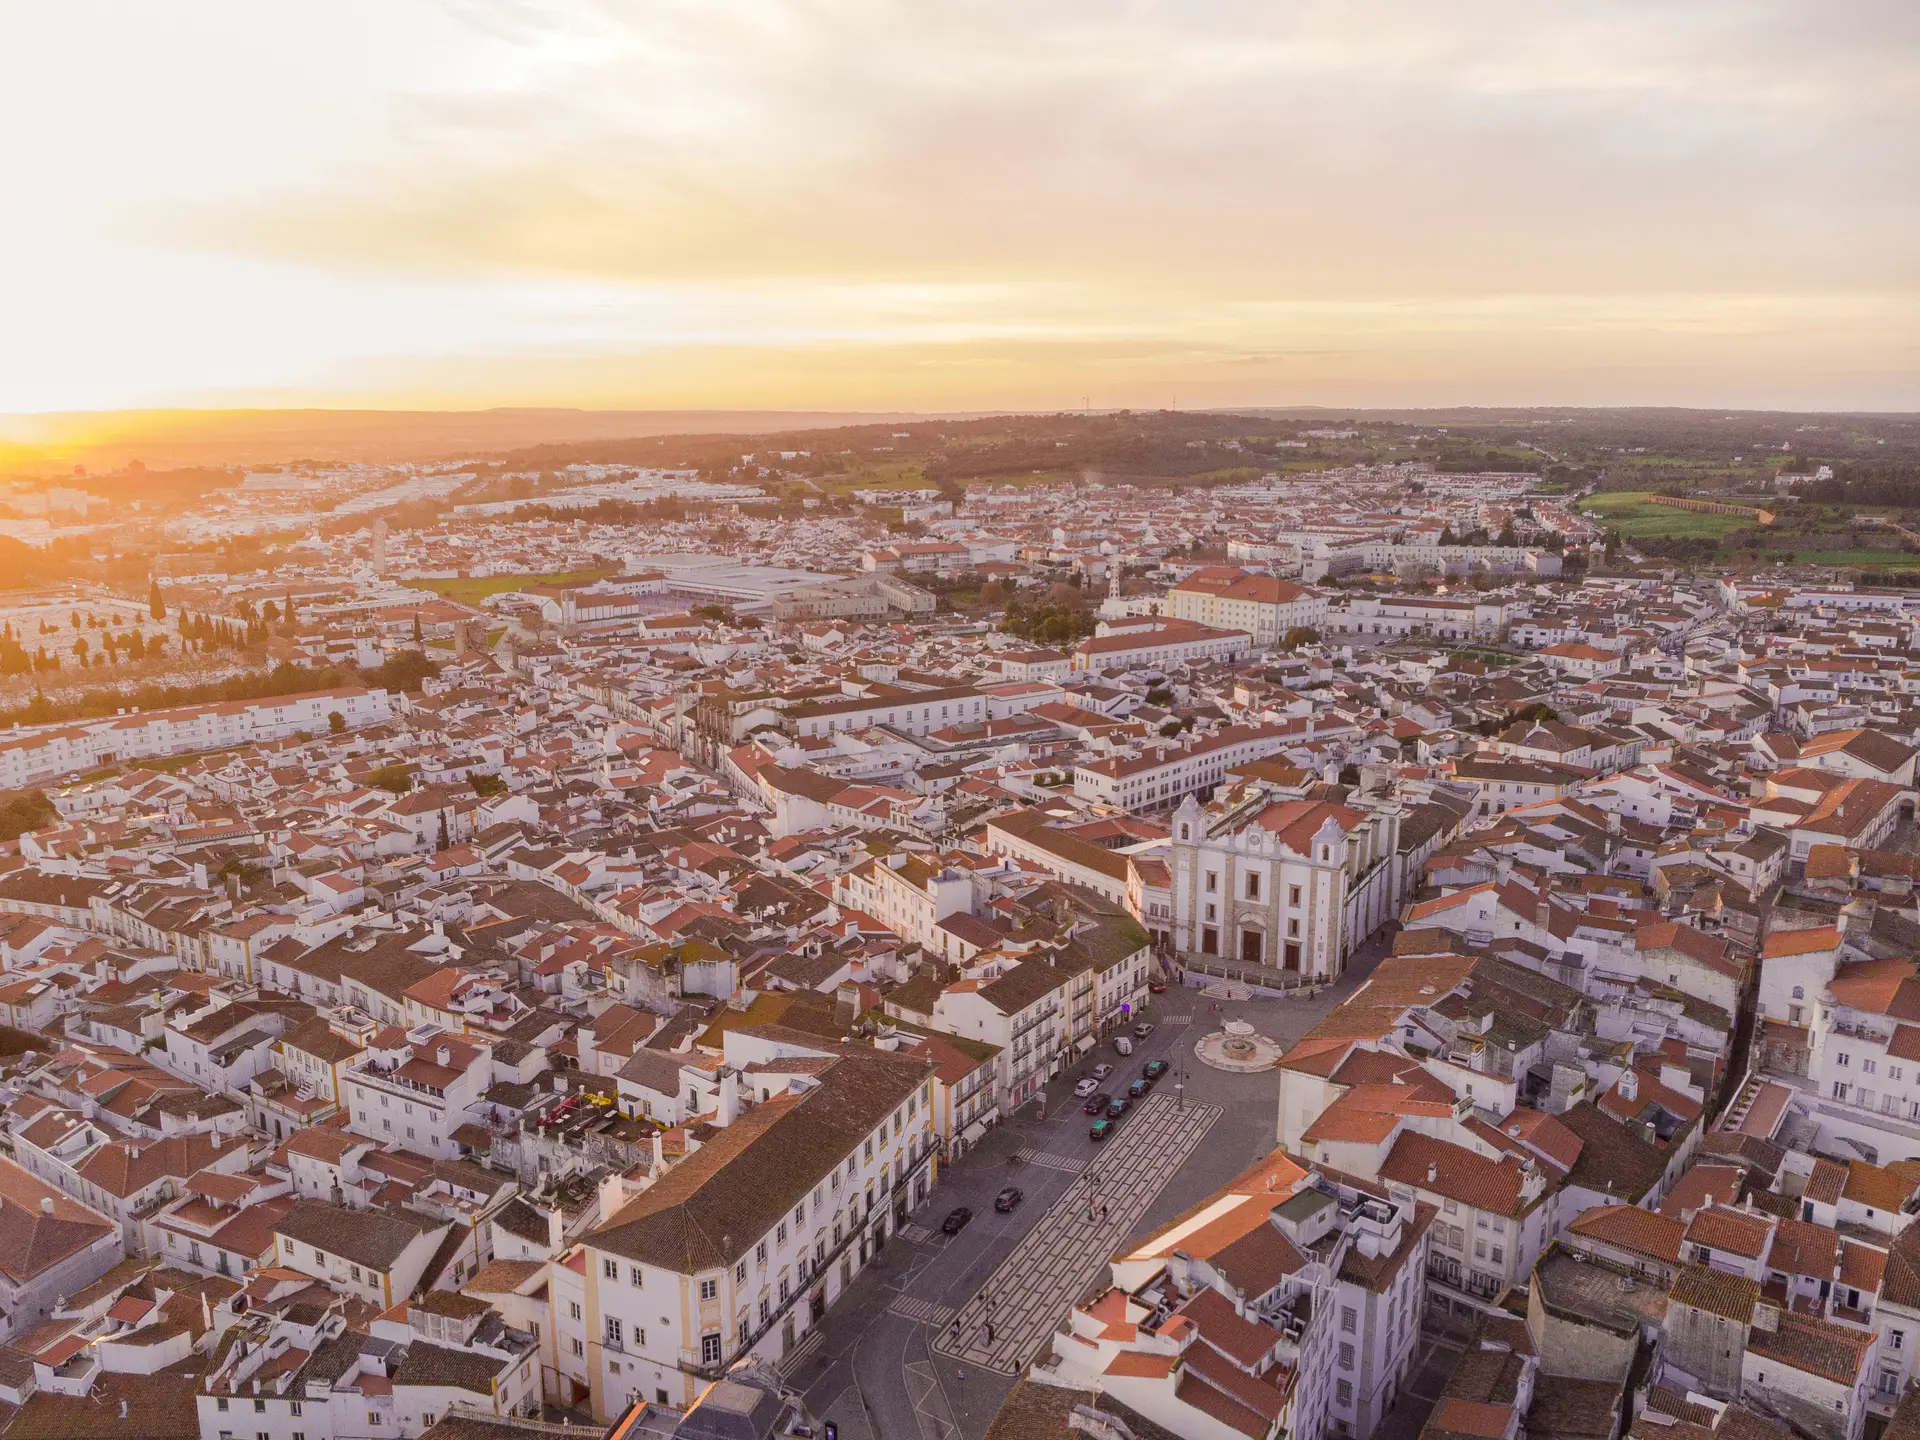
(877, 202)
(1358, 149)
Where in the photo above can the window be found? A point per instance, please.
(573, 1309)
(1346, 1355)
(614, 1336)
(1213, 882)
(1799, 992)
(709, 1349)
(1253, 887)
(1480, 1249)
(1452, 1208)
(259, 1407)
(637, 1276)
(1343, 1392)
(294, 1408)
(1867, 1066)
(221, 1404)
(1839, 1089)
(1496, 1255)
(610, 1269)
(766, 1310)
(1896, 1339)
(760, 1253)
(740, 1273)
(1843, 1059)
(709, 1289)
(1349, 1319)
(1293, 894)
(578, 1348)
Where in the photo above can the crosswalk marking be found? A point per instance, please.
(915, 1234)
(801, 1351)
(1068, 1163)
(926, 1312)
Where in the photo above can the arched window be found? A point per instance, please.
(1186, 832)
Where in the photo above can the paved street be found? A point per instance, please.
(1005, 1323)
(878, 1365)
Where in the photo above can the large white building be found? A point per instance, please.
(741, 1247)
(1158, 646)
(29, 756)
(1229, 598)
(1288, 883)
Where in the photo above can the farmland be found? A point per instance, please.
(472, 591)
(1628, 512)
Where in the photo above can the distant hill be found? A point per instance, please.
(170, 439)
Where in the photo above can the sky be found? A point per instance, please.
(874, 204)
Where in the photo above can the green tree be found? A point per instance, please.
(1299, 635)
(397, 778)
(336, 723)
(25, 810)
(156, 605)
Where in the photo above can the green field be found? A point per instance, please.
(1628, 512)
(472, 592)
(1886, 559)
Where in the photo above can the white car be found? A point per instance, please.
(1085, 1088)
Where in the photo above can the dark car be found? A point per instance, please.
(1007, 1199)
(1158, 987)
(1155, 1069)
(1096, 1103)
(1101, 1129)
(1138, 1089)
(1116, 1107)
(956, 1220)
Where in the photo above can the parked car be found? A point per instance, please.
(1158, 987)
(1096, 1102)
(1086, 1088)
(1007, 1199)
(956, 1220)
(1123, 1044)
(1101, 1129)
(1116, 1107)
(1155, 1069)
(1138, 1089)
(1143, 1029)
(1102, 1070)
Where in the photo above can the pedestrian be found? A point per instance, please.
(956, 1330)
(1103, 1212)
(989, 1332)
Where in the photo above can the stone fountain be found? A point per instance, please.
(1235, 1047)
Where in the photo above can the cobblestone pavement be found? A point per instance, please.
(1008, 1319)
(868, 1369)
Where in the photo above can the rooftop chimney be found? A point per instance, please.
(46, 1205)
(443, 1056)
(1433, 1172)
(729, 1098)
